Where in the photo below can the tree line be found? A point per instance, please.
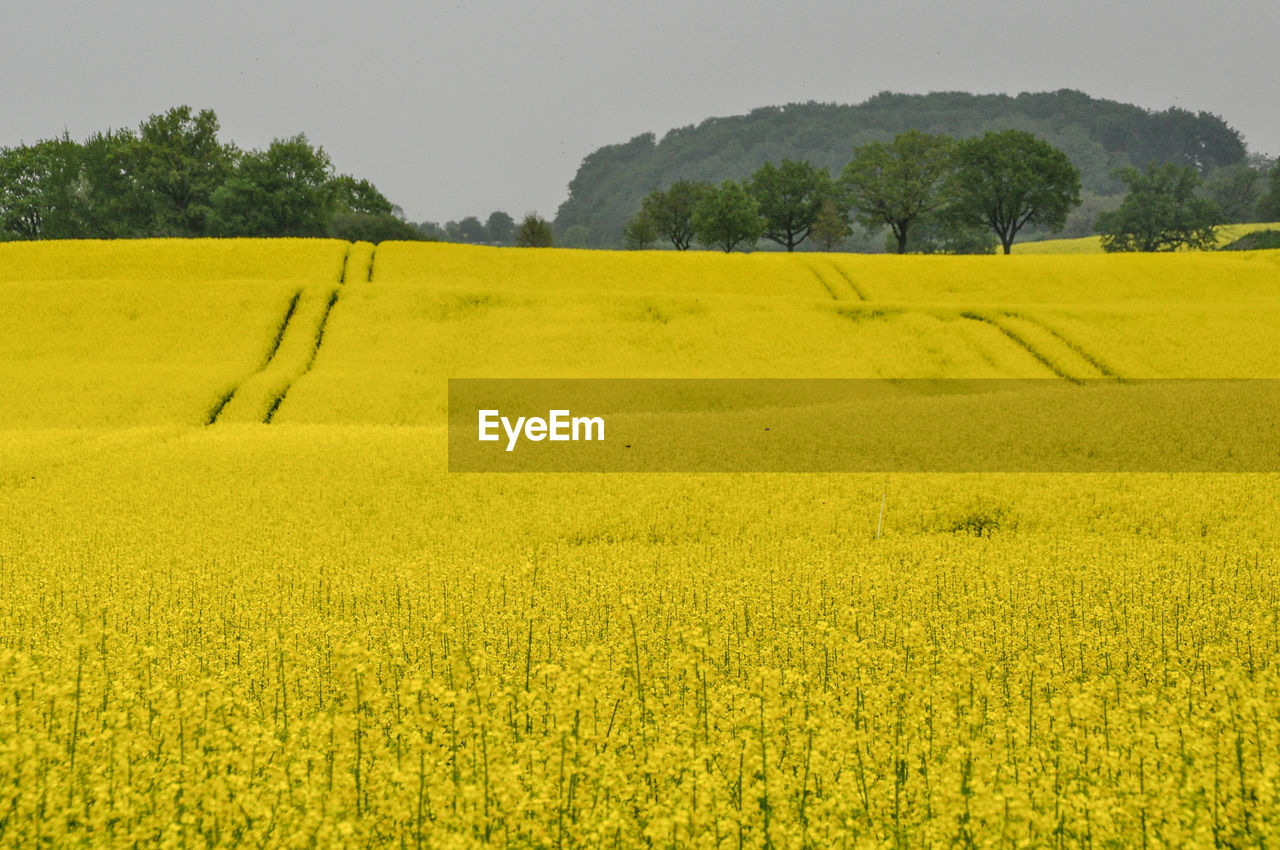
(174, 176)
(948, 195)
(1100, 136)
(936, 194)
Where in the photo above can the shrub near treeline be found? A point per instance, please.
(175, 177)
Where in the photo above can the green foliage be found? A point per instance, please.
(790, 197)
(1235, 190)
(174, 177)
(940, 232)
(640, 232)
(1269, 204)
(1006, 180)
(285, 190)
(671, 211)
(1259, 240)
(534, 232)
(178, 164)
(471, 231)
(1099, 136)
(359, 196)
(372, 227)
(831, 227)
(1161, 212)
(897, 182)
(575, 237)
(728, 217)
(28, 181)
(501, 227)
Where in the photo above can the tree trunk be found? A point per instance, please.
(902, 241)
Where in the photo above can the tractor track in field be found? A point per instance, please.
(833, 291)
(272, 350)
(1085, 355)
(315, 351)
(1022, 343)
(862, 296)
(366, 275)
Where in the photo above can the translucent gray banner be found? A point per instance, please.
(838, 425)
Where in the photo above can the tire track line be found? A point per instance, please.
(274, 348)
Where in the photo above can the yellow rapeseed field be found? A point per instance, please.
(243, 603)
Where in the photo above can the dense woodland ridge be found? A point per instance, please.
(1099, 136)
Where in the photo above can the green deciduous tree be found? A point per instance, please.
(898, 182)
(501, 227)
(1235, 189)
(727, 217)
(671, 211)
(1005, 180)
(1160, 213)
(640, 232)
(179, 164)
(359, 196)
(471, 231)
(35, 185)
(534, 232)
(790, 196)
(286, 190)
(831, 226)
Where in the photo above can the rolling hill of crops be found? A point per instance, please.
(242, 602)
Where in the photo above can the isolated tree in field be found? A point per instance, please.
(180, 164)
(790, 197)
(640, 233)
(534, 232)
(286, 190)
(727, 217)
(1160, 213)
(1008, 179)
(831, 226)
(501, 227)
(898, 182)
(671, 211)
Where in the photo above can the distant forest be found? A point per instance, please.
(1099, 136)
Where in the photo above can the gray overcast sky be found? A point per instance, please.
(460, 108)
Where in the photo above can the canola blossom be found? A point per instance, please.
(242, 602)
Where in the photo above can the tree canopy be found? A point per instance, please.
(1160, 213)
(790, 197)
(670, 210)
(728, 217)
(896, 183)
(1006, 180)
(174, 176)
